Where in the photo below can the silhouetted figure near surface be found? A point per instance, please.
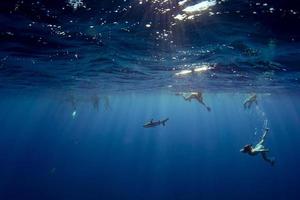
(249, 101)
(96, 102)
(106, 103)
(259, 149)
(189, 96)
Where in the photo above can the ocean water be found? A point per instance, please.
(79, 79)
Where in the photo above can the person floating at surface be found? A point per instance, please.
(249, 101)
(259, 149)
(189, 96)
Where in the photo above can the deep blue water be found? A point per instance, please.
(79, 81)
(107, 154)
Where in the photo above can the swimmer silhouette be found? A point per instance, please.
(189, 96)
(95, 100)
(106, 103)
(249, 101)
(259, 149)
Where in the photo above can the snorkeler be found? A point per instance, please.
(259, 149)
(195, 95)
(248, 102)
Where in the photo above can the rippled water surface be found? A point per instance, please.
(140, 44)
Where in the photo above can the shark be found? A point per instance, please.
(153, 123)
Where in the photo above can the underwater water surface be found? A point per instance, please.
(149, 99)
